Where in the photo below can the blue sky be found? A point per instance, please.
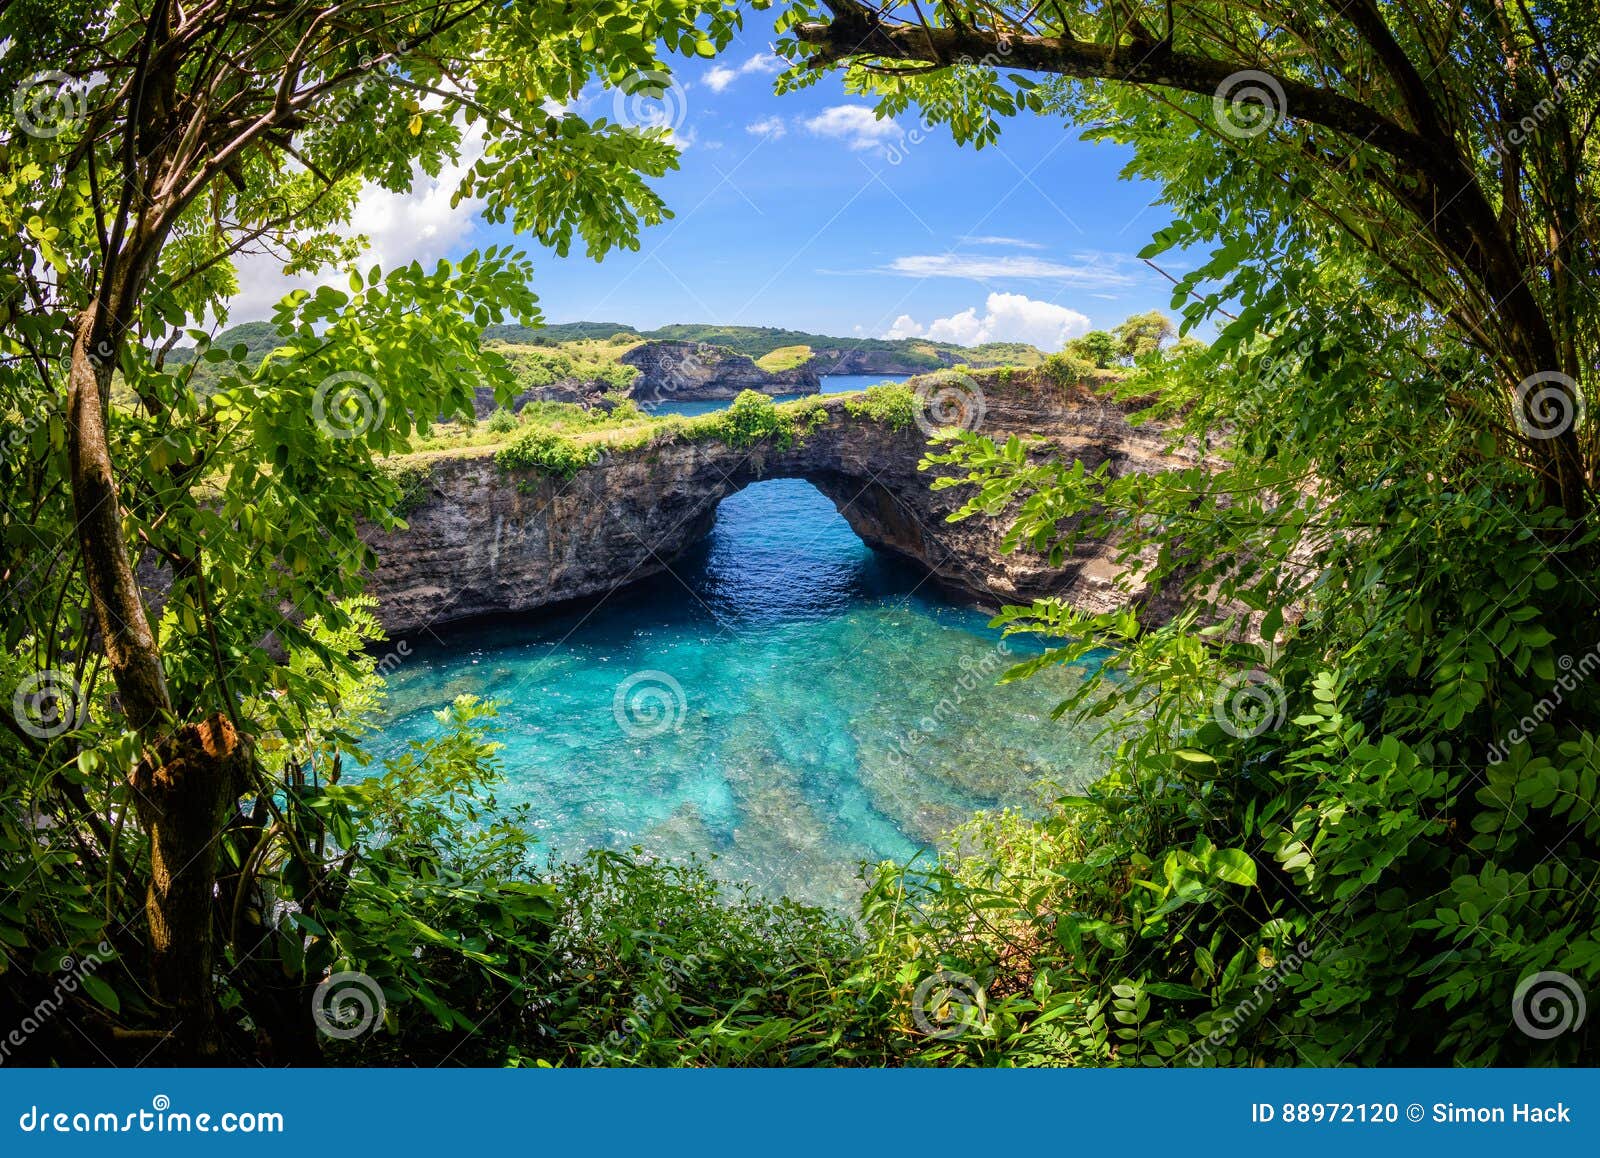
(801, 211)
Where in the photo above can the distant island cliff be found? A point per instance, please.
(596, 364)
(699, 371)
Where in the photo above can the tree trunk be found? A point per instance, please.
(183, 789)
(187, 775)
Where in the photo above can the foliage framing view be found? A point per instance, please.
(1399, 205)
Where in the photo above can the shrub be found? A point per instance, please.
(1067, 368)
(546, 451)
(890, 403)
(502, 421)
(752, 418)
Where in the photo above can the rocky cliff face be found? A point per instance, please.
(580, 391)
(483, 541)
(698, 371)
(854, 360)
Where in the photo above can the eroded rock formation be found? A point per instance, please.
(484, 541)
(698, 371)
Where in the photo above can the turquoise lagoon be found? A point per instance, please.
(786, 702)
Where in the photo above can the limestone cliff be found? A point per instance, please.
(698, 371)
(483, 541)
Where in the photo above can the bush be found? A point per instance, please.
(1066, 368)
(752, 417)
(502, 421)
(890, 403)
(546, 451)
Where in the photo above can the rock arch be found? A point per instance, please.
(483, 541)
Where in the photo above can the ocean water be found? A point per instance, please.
(831, 384)
(786, 701)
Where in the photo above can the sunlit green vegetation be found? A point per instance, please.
(1349, 802)
(784, 358)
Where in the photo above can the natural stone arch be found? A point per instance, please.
(483, 541)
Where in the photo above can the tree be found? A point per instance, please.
(1097, 346)
(1454, 147)
(148, 146)
(1364, 716)
(1144, 334)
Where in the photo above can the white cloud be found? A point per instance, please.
(980, 268)
(719, 78)
(1013, 242)
(763, 62)
(419, 225)
(1006, 318)
(855, 125)
(770, 128)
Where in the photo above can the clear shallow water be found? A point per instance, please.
(831, 384)
(787, 700)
